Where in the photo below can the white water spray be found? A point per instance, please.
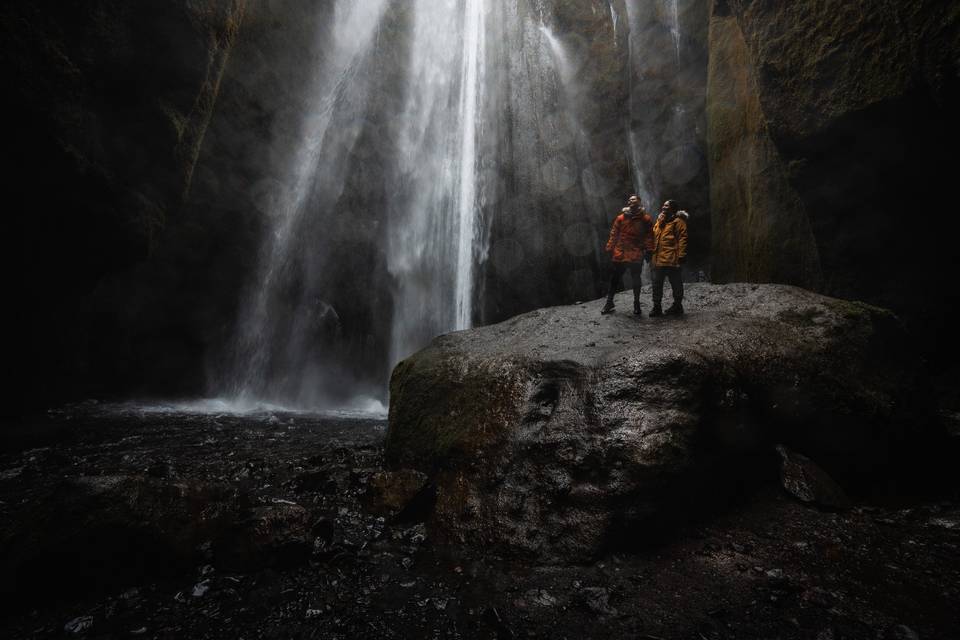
(474, 45)
(437, 208)
(317, 158)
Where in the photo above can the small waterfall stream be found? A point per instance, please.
(675, 27)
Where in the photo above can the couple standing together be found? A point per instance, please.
(635, 238)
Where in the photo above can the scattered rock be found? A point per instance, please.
(323, 530)
(539, 598)
(79, 625)
(808, 483)
(315, 481)
(900, 632)
(597, 600)
(946, 523)
(277, 535)
(161, 469)
(113, 529)
(389, 492)
(200, 589)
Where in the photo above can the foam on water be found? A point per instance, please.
(358, 408)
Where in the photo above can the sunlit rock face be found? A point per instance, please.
(829, 126)
(560, 432)
(107, 104)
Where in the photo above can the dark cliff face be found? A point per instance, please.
(107, 104)
(832, 131)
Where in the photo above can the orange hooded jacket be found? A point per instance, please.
(631, 236)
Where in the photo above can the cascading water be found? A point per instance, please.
(436, 214)
(675, 27)
(418, 155)
(614, 18)
(266, 363)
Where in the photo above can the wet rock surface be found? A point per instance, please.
(768, 568)
(560, 432)
(807, 482)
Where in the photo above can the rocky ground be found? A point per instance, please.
(768, 568)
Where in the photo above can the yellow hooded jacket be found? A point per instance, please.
(670, 241)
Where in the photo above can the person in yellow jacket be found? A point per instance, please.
(631, 241)
(669, 252)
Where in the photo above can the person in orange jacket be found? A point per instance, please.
(631, 241)
(670, 251)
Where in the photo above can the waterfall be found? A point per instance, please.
(675, 27)
(433, 254)
(265, 361)
(474, 41)
(415, 158)
(613, 20)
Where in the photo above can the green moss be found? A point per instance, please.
(444, 409)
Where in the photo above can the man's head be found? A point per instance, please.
(669, 208)
(633, 202)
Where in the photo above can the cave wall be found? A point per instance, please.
(107, 103)
(761, 232)
(837, 120)
(667, 79)
(563, 172)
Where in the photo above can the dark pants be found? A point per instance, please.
(619, 268)
(676, 284)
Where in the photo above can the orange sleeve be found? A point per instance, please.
(614, 233)
(648, 236)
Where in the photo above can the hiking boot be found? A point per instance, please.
(656, 312)
(676, 309)
(636, 309)
(607, 308)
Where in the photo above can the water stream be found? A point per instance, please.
(439, 238)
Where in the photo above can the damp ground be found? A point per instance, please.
(768, 568)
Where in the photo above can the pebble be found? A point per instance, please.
(78, 625)
(200, 589)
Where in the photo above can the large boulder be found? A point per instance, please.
(559, 432)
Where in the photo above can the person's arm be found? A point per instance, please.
(614, 234)
(681, 239)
